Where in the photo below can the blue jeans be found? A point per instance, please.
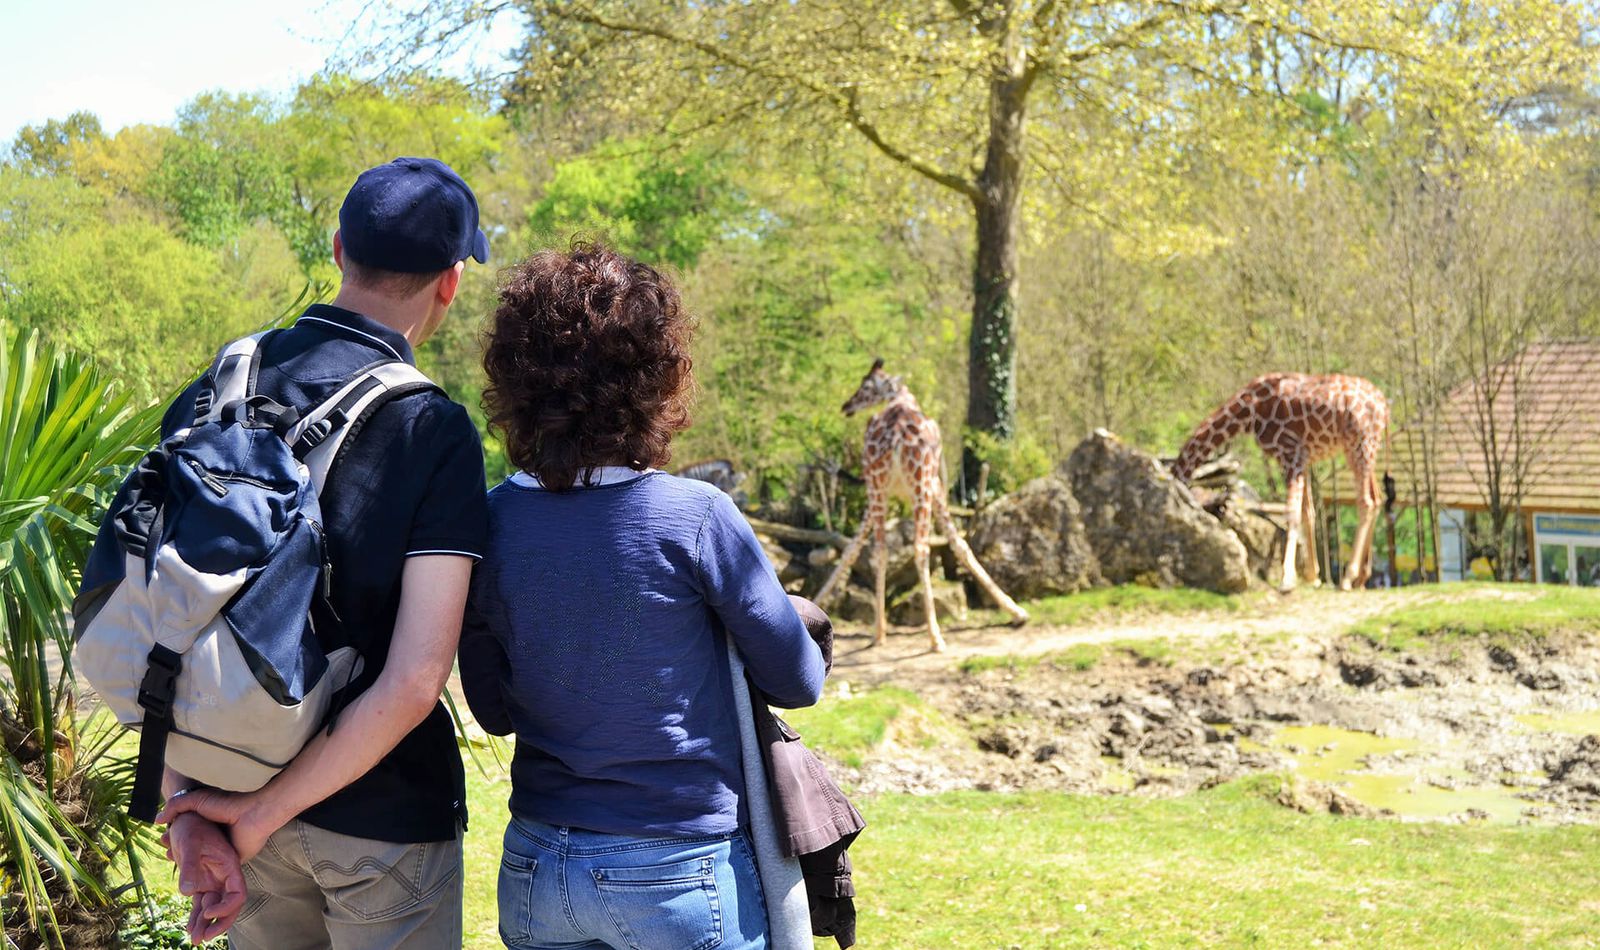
(565, 888)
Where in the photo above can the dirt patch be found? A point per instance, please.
(1469, 730)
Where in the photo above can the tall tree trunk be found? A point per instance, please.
(992, 344)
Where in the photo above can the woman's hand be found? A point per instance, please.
(247, 821)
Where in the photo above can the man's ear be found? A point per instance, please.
(338, 251)
(449, 283)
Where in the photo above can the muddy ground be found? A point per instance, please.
(1464, 730)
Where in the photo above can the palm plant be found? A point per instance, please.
(66, 438)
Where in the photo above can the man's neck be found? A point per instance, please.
(409, 318)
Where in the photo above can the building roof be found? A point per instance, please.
(1536, 414)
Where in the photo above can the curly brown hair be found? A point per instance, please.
(588, 364)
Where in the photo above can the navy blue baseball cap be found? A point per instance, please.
(411, 216)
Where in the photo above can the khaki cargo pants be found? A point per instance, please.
(312, 889)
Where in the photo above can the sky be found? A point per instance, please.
(136, 61)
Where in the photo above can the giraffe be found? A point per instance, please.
(903, 456)
(1300, 420)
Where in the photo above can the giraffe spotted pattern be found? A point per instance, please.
(903, 456)
(1300, 420)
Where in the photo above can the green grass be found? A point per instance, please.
(1225, 867)
(1080, 657)
(847, 728)
(1221, 868)
(1507, 611)
(1100, 603)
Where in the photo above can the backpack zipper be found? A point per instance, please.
(327, 561)
(218, 483)
(207, 479)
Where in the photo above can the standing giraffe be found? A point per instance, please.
(1301, 420)
(903, 456)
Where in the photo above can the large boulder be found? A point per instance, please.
(1144, 525)
(1032, 541)
(1262, 538)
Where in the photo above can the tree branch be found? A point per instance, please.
(845, 101)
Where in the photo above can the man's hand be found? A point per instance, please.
(209, 872)
(245, 823)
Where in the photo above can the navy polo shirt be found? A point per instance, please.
(410, 483)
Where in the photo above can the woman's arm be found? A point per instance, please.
(482, 658)
(741, 587)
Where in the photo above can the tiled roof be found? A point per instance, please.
(1547, 399)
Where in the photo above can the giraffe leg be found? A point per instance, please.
(880, 563)
(1361, 557)
(924, 518)
(970, 562)
(1308, 522)
(1295, 477)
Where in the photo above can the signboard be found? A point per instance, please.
(1580, 526)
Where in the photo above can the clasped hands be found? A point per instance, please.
(209, 836)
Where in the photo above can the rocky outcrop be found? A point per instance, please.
(1033, 544)
(1144, 526)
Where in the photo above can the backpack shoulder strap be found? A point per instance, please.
(232, 376)
(317, 438)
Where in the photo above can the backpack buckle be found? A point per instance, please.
(317, 432)
(160, 682)
(203, 401)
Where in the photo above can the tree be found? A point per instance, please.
(66, 437)
(970, 95)
(48, 148)
(664, 209)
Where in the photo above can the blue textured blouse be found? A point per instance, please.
(594, 634)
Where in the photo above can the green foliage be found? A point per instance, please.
(225, 168)
(145, 304)
(66, 437)
(646, 201)
(1012, 462)
(161, 927)
(48, 148)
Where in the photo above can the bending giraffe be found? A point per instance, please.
(1300, 420)
(903, 455)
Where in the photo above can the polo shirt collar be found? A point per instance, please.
(357, 327)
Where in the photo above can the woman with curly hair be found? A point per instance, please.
(595, 628)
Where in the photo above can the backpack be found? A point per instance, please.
(202, 637)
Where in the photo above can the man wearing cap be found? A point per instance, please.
(356, 845)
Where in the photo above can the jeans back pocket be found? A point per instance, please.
(515, 896)
(665, 906)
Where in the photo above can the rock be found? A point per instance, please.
(1578, 771)
(898, 538)
(1032, 541)
(1144, 525)
(853, 604)
(789, 567)
(949, 603)
(777, 555)
(1262, 540)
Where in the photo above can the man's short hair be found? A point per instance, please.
(395, 284)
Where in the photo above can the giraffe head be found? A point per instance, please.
(876, 387)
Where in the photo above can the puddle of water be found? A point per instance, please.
(1336, 757)
(1571, 724)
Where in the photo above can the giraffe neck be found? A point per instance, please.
(904, 399)
(1212, 436)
